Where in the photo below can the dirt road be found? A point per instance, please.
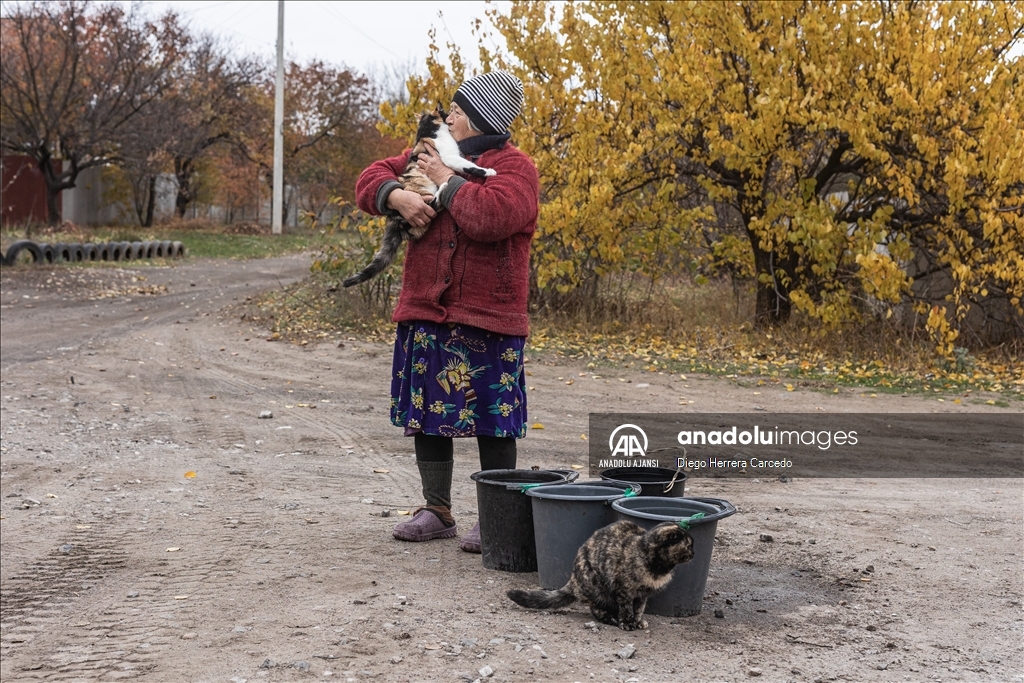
(273, 563)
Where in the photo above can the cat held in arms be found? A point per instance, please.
(432, 131)
(616, 570)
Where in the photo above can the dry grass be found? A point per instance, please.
(684, 327)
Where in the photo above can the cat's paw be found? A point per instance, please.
(642, 624)
(489, 172)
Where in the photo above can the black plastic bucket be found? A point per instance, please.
(564, 517)
(506, 516)
(684, 594)
(654, 481)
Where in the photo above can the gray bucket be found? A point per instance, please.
(506, 516)
(684, 594)
(564, 517)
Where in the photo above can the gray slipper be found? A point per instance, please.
(425, 525)
(471, 541)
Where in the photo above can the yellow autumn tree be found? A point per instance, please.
(855, 156)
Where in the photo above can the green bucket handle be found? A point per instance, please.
(526, 487)
(685, 522)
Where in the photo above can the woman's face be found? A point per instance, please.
(458, 124)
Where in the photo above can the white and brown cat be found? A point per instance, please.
(433, 131)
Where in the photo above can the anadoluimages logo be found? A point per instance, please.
(628, 445)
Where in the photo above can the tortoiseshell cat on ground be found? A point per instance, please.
(432, 128)
(615, 571)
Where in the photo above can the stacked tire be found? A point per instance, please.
(108, 251)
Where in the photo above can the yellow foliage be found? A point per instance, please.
(839, 151)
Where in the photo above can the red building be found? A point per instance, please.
(23, 192)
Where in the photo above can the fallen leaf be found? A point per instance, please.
(570, 381)
(576, 467)
(181, 597)
(789, 387)
(213, 397)
(583, 436)
(990, 403)
(51, 495)
(172, 550)
(190, 475)
(83, 526)
(403, 512)
(537, 425)
(381, 470)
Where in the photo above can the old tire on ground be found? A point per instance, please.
(148, 250)
(90, 252)
(62, 252)
(77, 252)
(105, 251)
(166, 249)
(178, 249)
(49, 253)
(138, 250)
(23, 245)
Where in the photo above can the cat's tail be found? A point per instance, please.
(382, 259)
(541, 599)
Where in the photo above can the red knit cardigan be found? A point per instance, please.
(473, 264)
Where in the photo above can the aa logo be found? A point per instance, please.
(628, 444)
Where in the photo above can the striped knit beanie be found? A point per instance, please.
(492, 101)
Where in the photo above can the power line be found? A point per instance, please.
(358, 30)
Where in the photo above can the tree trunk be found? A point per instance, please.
(55, 183)
(774, 275)
(183, 174)
(150, 203)
(53, 208)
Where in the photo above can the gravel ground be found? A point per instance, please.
(275, 561)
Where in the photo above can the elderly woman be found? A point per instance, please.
(461, 314)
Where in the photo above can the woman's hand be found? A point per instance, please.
(430, 164)
(414, 207)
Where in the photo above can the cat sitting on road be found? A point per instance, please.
(616, 570)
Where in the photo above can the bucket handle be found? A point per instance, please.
(570, 477)
(668, 486)
(725, 509)
(685, 521)
(632, 492)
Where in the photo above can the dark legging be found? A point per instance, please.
(496, 452)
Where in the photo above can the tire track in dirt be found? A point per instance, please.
(120, 632)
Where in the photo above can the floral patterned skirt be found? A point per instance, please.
(458, 380)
